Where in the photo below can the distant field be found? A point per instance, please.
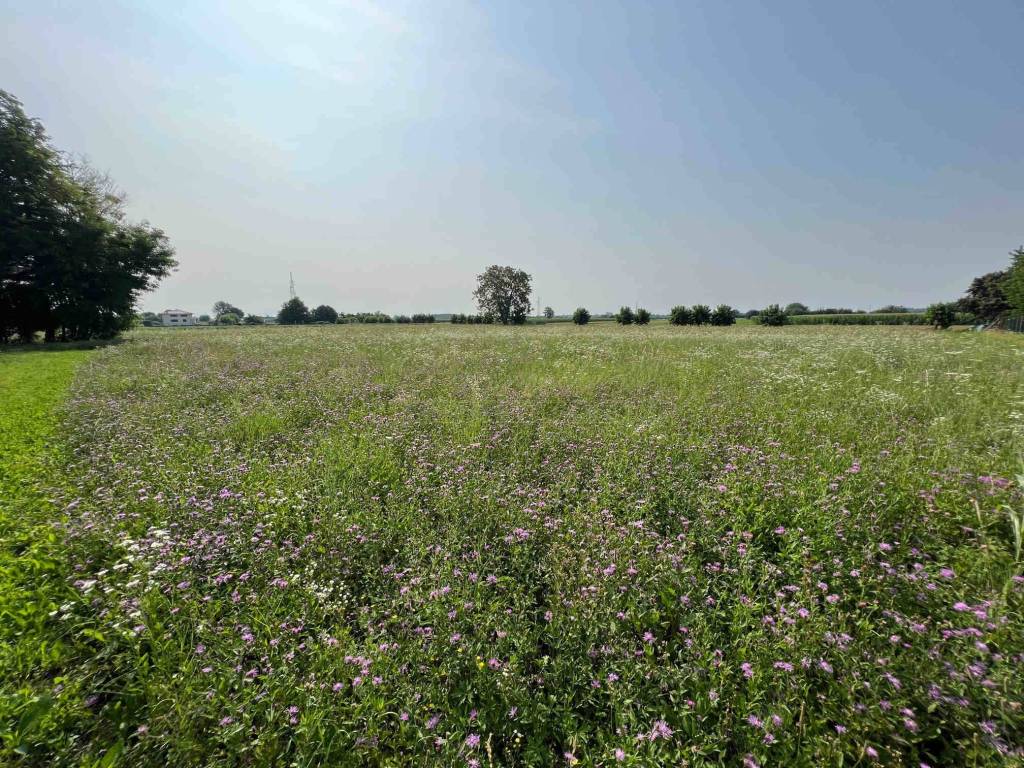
(480, 546)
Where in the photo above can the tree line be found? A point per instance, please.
(72, 265)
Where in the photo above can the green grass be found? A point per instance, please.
(33, 574)
(465, 545)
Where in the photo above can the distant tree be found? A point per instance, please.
(253, 320)
(150, 319)
(796, 308)
(774, 315)
(422, 318)
(549, 312)
(581, 316)
(723, 315)
(700, 314)
(1013, 285)
(324, 314)
(504, 293)
(223, 308)
(680, 315)
(71, 264)
(625, 316)
(293, 312)
(888, 309)
(403, 319)
(941, 315)
(228, 318)
(643, 317)
(751, 313)
(986, 297)
(204, 318)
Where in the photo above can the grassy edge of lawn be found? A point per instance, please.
(35, 651)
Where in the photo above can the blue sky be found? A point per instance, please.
(852, 154)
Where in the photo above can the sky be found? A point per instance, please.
(647, 153)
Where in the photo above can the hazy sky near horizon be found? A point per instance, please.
(852, 154)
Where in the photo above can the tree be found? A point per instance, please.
(204, 318)
(680, 315)
(549, 312)
(888, 309)
(625, 316)
(293, 312)
(228, 318)
(71, 264)
(774, 315)
(986, 297)
(222, 308)
(253, 320)
(723, 315)
(643, 317)
(700, 314)
(941, 315)
(581, 316)
(325, 314)
(1013, 284)
(504, 294)
(796, 308)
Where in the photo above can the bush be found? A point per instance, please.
(680, 316)
(643, 317)
(774, 315)
(421, 318)
(723, 315)
(253, 320)
(403, 319)
(861, 318)
(228, 318)
(581, 316)
(941, 315)
(700, 314)
(625, 316)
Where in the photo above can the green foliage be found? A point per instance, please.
(861, 318)
(422, 318)
(643, 317)
(228, 318)
(504, 294)
(625, 316)
(1013, 285)
(723, 315)
(549, 313)
(680, 316)
(700, 314)
(222, 308)
(796, 308)
(204, 318)
(324, 314)
(253, 320)
(581, 316)
(72, 266)
(403, 319)
(293, 312)
(773, 315)
(941, 315)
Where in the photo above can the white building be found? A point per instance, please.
(177, 317)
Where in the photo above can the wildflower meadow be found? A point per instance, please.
(543, 546)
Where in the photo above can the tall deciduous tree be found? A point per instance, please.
(70, 263)
(325, 314)
(222, 308)
(504, 293)
(986, 298)
(1013, 285)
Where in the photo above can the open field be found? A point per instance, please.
(464, 545)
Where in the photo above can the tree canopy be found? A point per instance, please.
(986, 297)
(1013, 285)
(325, 314)
(504, 293)
(293, 312)
(222, 308)
(71, 265)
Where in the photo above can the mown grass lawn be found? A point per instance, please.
(538, 546)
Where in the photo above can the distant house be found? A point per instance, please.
(177, 317)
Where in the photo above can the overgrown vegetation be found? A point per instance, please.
(324, 546)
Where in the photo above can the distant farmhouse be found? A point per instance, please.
(177, 317)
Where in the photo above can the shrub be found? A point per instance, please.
(774, 315)
(403, 319)
(941, 314)
(581, 316)
(422, 318)
(253, 320)
(796, 308)
(680, 316)
(228, 318)
(700, 314)
(723, 315)
(643, 317)
(625, 316)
